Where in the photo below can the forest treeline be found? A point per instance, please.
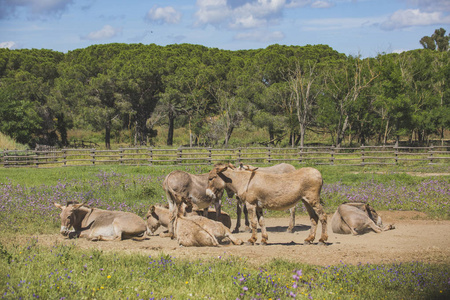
(286, 90)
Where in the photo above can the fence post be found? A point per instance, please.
(396, 154)
(300, 155)
(431, 155)
(93, 156)
(268, 154)
(120, 156)
(332, 155)
(150, 154)
(239, 156)
(37, 157)
(5, 158)
(209, 156)
(180, 156)
(362, 155)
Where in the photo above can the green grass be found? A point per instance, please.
(66, 272)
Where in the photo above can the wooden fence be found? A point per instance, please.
(364, 155)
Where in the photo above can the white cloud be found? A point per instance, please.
(398, 51)
(298, 3)
(248, 21)
(166, 14)
(9, 45)
(212, 12)
(338, 23)
(249, 14)
(36, 9)
(105, 33)
(322, 4)
(260, 36)
(431, 5)
(239, 14)
(414, 17)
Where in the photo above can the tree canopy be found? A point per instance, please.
(287, 90)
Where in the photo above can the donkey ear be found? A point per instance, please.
(152, 209)
(250, 168)
(220, 169)
(76, 206)
(58, 205)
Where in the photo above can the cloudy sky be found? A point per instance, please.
(353, 27)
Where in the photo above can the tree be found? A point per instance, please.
(437, 41)
(19, 117)
(138, 76)
(305, 88)
(106, 103)
(345, 81)
(185, 79)
(392, 105)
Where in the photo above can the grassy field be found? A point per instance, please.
(32, 271)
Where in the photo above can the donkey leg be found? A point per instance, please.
(238, 217)
(172, 215)
(318, 209)
(262, 224)
(218, 207)
(314, 219)
(389, 227)
(292, 220)
(253, 223)
(247, 223)
(233, 239)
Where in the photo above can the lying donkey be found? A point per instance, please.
(199, 231)
(159, 215)
(357, 218)
(100, 225)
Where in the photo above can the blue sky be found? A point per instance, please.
(353, 27)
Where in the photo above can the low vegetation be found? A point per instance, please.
(32, 271)
(7, 143)
(65, 272)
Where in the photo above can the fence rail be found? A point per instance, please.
(351, 156)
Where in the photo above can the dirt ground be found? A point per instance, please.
(415, 238)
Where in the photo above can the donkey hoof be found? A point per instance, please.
(250, 242)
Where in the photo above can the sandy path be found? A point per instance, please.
(414, 239)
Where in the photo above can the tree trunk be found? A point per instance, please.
(171, 125)
(271, 137)
(302, 135)
(341, 133)
(190, 133)
(228, 134)
(386, 132)
(108, 133)
(135, 133)
(62, 128)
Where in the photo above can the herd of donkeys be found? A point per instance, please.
(190, 219)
